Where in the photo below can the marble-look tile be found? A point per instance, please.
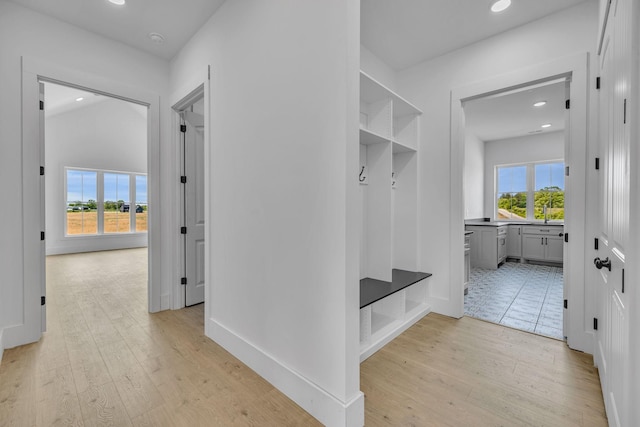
(523, 296)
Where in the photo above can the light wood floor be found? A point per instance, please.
(105, 361)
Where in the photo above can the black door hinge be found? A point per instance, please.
(597, 163)
(595, 324)
(625, 112)
(42, 235)
(566, 303)
(183, 230)
(566, 170)
(42, 105)
(623, 280)
(183, 128)
(41, 170)
(597, 82)
(596, 243)
(183, 179)
(43, 300)
(566, 237)
(183, 281)
(567, 104)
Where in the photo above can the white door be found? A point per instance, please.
(612, 352)
(43, 249)
(194, 207)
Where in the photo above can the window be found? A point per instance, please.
(549, 191)
(512, 192)
(100, 202)
(82, 215)
(528, 191)
(141, 203)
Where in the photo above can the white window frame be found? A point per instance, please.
(531, 180)
(100, 202)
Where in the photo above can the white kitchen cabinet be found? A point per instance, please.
(514, 241)
(543, 243)
(488, 245)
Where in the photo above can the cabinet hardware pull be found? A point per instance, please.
(542, 240)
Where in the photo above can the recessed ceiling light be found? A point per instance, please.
(500, 5)
(156, 38)
(118, 2)
(540, 103)
(546, 125)
(79, 99)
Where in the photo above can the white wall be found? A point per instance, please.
(429, 84)
(108, 135)
(526, 149)
(27, 33)
(474, 152)
(378, 69)
(282, 226)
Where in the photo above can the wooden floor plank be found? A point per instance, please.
(106, 361)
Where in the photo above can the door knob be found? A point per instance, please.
(602, 263)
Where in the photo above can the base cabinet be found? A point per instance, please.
(514, 241)
(543, 243)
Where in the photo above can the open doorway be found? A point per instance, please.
(96, 198)
(514, 207)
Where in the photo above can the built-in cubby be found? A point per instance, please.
(389, 134)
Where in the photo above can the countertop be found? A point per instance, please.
(502, 223)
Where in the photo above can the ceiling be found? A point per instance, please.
(176, 20)
(404, 33)
(512, 114)
(62, 99)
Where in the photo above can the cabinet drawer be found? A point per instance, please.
(546, 231)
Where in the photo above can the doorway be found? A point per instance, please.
(574, 68)
(95, 184)
(514, 177)
(35, 72)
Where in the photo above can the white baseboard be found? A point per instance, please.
(312, 398)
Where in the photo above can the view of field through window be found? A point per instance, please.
(545, 187)
(85, 205)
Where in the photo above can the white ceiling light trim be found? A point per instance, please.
(546, 125)
(500, 5)
(79, 99)
(157, 38)
(540, 103)
(117, 2)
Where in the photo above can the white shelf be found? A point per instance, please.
(367, 137)
(372, 91)
(389, 136)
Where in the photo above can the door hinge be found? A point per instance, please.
(43, 300)
(597, 82)
(183, 281)
(596, 243)
(595, 323)
(625, 112)
(566, 171)
(567, 104)
(41, 170)
(183, 179)
(183, 230)
(42, 235)
(597, 163)
(183, 128)
(42, 105)
(566, 303)
(566, 237)
(623, 280)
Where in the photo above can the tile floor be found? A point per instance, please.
(523, 296)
